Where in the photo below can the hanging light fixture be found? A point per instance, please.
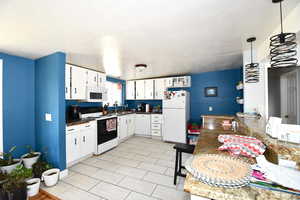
(140, 67)
(252, 69)
(283, 46)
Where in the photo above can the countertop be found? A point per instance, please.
(83, 121)
(208, 143)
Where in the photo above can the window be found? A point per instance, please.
(114, 93)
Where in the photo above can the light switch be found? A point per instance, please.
(210, 108)
(48, 117)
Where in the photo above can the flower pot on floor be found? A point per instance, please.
(18, 194)
(33, 186)
(50, 177)
(9, 168)
(29, 160)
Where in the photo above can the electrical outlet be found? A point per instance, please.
(48, 117)
(210, 108)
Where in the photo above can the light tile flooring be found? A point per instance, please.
(138, 169)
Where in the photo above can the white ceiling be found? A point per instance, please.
(172, 37)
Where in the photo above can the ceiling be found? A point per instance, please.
(171, 37)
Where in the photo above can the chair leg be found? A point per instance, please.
(180, 162)
(176, 167)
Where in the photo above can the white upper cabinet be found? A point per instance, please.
(68, 81)
(101, 79)
(92, 78)
(140, 89)
(130, 90)
(159, 88)
(168, 82)
(78, 80)
(149, 89)
(182, 81)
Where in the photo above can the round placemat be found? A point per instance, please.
(219, 170)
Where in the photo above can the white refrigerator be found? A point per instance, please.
(176, 114)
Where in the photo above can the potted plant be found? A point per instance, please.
(33, 186)
(15, 187)
(7, 163)
(39, 167)
(50, 177)
(30, 158)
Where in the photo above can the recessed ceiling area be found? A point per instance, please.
(171, 37)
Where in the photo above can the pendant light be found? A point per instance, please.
(283, 46)
(252, 69)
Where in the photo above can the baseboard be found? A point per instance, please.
(63, 174)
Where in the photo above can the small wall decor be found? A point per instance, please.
(211, 92)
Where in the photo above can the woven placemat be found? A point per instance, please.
(219, 170)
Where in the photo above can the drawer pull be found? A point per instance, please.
(71, 129)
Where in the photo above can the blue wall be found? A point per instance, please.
(18, 103)
(50, 98)
(224, 103)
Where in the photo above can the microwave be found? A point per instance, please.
(96, 94)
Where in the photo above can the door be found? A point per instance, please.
(159, 88)
(289, 97)
(92, 79)
(67, 81)
(174, 125)
(149, 86)
(140, 89)
(130, 90)
(87, 140)
(79, 76)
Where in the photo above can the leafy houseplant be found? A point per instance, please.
(8, 164)
(15, 187)
(30, 158)
(39, 167)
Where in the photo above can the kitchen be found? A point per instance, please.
(140, 100)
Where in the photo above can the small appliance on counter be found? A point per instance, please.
(272, 126)
(73, 113)
(141, 107)
(289, 133)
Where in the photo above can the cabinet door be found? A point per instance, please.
(73, 146)
(122, 127)
(130, 124)
(168, 82)
(87, 140)
(140, 89)
(67, 81)
(159, 88)
(92, 78)
(149, 86)
(101, 79)
(79, 76)
(130, 90)
(142, 124)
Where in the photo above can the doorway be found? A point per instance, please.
(289, 97)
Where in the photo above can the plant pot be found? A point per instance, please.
(18, 194)
(50, 177)
(9, 168)
(33, 186)
(28, 162)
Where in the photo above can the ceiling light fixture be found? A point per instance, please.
(252, 69)
(283, 46)
(140, 67)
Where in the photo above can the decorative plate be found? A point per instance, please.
(220, 171)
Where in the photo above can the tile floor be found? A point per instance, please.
(138, 169)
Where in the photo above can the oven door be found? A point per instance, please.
(107, 129)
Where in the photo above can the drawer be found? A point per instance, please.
(156, 132)
(156, 116)
(156, 121)
(156, 126)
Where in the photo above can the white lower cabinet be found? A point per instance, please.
(80, 141)
(126, 126)
(143, 124)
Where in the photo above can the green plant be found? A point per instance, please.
(8, 157)
(21, 173)
(3, 177)
(13, 183)
(39, 167)
(31, 152)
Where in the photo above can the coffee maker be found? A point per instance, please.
(73, 113)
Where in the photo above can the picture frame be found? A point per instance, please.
(211, 91)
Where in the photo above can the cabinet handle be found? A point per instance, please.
(75, 90)
(88, 126)
(66, 90)
(75, 141)
(71, 129)
(83, 138)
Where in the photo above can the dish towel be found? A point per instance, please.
(111, 125)
(242, 145)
